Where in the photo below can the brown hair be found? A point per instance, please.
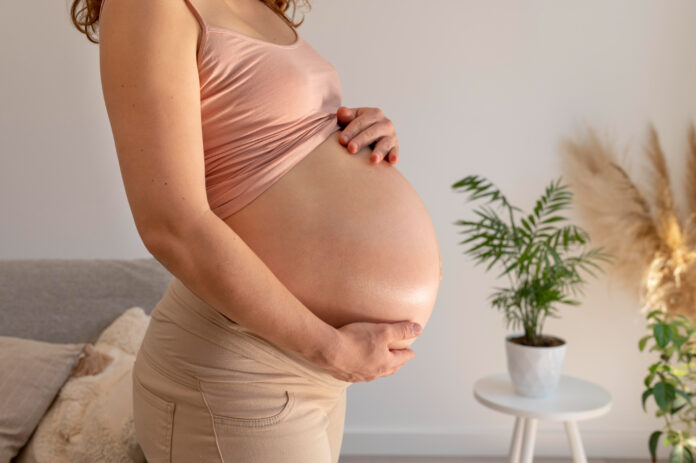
(85, 14)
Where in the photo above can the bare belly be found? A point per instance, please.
(350, 239)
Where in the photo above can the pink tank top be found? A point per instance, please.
(264, 107)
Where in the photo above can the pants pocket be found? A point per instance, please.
(153, 418)
(247, 405)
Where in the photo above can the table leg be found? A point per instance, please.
(530, 428)
(516, 444)
(575, 442)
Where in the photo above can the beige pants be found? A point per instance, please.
(206, 389)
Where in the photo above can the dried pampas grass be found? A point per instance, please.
(654, 251)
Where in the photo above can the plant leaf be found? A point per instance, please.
(654, 439)
(664, 394)
(647, 393)
(662, 334)
(680, 454)
(643, 341)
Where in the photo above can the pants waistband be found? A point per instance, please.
(194, 314)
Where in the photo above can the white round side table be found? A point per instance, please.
(575, 400)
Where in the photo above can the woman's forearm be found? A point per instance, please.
(216, 264)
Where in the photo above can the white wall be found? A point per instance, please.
(483, 87)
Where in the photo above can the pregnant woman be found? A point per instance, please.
(299, 266)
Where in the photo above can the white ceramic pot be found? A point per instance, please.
(534, 371)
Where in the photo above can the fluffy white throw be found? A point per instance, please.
(91, 419)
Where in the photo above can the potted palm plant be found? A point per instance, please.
(542, 258)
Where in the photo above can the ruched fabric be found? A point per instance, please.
(264, 106)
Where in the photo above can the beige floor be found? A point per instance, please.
(477, 460)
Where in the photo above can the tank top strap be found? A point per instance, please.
(198, 16)
(101, 6)
(204, 30)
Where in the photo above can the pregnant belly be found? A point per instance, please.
(350, 239)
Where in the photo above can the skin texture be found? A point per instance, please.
(351, 239)
(152, 96)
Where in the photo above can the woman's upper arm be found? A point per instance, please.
(151, 91)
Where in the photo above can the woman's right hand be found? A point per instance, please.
(362, 351)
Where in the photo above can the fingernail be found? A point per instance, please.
(352, 147)
(416, 328)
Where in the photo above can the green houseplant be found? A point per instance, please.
(670, 381)
(542, 257)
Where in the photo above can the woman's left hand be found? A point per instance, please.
(368, 126)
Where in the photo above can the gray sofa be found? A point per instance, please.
(74, 300)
